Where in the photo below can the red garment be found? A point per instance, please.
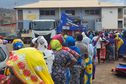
(103, 53)
(75, 54)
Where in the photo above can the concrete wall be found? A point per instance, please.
(90, 18)
(109, 18)
(30, 14)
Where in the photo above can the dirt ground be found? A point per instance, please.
(103, 73)
(105, 76)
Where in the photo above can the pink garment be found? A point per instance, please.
(3, 77)
(59, 37)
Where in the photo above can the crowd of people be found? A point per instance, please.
(66, 59)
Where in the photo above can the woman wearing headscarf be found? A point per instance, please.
(91, 51)
(60, 38)
(83, 49)
(17, 44)
(34, 43)
(27, 66)
(41, 44)
(118, 43)
(88, 70)
(63, 59)
(75, 70)
(85, 40)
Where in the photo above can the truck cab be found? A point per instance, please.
(46, 28)
(33, 28)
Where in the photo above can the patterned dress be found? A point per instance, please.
(59, 66)
(75, 70)
(88, 71)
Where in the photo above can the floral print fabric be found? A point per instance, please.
(59, 66)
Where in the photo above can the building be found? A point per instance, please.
(7, 29)
(94, 14)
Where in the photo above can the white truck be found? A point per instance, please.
(44, 27)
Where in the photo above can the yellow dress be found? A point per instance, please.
(29, 66)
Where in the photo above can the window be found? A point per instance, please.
(43, 25)
(125, 11)
(20, 15)
(125, 22)
(2, 55)
(20, 26)
(47, 12)
(72, 12)
(92, 12)
(120, 24)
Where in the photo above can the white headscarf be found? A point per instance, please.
(90, 47)
(42, 43)
(34, 40)
(86, 40)
(48, 54)
(83, 34)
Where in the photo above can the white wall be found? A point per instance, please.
(109, 18)
(30, 14)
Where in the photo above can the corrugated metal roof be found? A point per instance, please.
(69, 4)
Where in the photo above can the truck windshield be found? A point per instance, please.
(42, 25)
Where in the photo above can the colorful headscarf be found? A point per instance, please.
(17, 44)
(17, 40)
(29, 66)
(70, 41)
(119, 41)
(59, 37)
(55, 45)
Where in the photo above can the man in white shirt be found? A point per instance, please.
(97, 40)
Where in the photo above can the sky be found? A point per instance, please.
(12, 3)
(115, 1)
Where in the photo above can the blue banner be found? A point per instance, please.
(67, 23)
